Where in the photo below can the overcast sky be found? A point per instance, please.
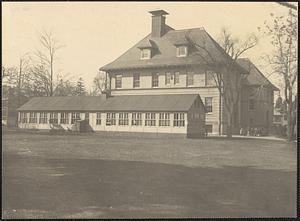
(96, 33)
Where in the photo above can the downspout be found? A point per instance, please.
(220, 114)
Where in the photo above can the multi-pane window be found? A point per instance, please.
(23, 117)
(146, 53)
(176, 78)
(150, 119)
(75, 117)
(168, 78)
(190, 78)
(179, 120)
(123, 119)
(136, 119)
(43, 118)
(87, 116)
(136, 80)
(209, 78)
(209, 128)
(118, 81)
(32, 117)
(182, 51)
(251, 104)
(164, 119)
(53, 118)
(110, 119)
(98, 119)
(64, 117)
(154, 79)
(208, 104)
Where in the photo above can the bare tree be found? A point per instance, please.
(226, 73)
(288, 5)
(283, 31)
(45, 70)
(99, 83)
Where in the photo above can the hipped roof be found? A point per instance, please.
(164, 53)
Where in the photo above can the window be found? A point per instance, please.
(75, 117)
(87, 116)
(43, 118)
(176, 78)
(277, 118)
(209, 78)
(64, 118)
(118, 81)
(178, 120)
(110, 119)
(24, 117)
(164, 119)
(136, 80)
(168, 78)
(98, 119)
(136, 119)
(155, 79)
(284, 117)
(123, 119)
(251, 104)
(150, 119)
(209, 128)
(208, 104)
(53, 118)
(182, 51)
(32, 117)
(190, 78)
(146, 53)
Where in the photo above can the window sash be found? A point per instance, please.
(53, 118)
(136, 80)
(179, 120)
(150, 119)
(75, 117)
(164, 119)
(123, 119)
(64, 117)
(155, 80)
(145, 53)
(118, 81)
(176, 78)
(110, 119)
(136, 119)
(168, 78)
(182, 51)
(98, 118)
(32, 117)
(190, 78)
(208, 104)
(43, 118)
(209, 78)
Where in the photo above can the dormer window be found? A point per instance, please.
(145, 53)
(182, 51)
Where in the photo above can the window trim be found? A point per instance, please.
(179, 119)
(111, 119)
(136, 119)
(53, 119)
(206, 106)
(65, 119)
(156, 81)
(118, 82)
(176, 73)
(143, 57)
(164, 119)
(189, 75)
(150, 121)
(98, 119)
(43, 118)
(136, 82)
(123, 119)
(178, 54)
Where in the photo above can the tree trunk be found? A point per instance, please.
(290, 124)
(229, 125)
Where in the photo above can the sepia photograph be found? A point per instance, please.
(122, 110)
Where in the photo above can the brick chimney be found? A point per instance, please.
(158, 23)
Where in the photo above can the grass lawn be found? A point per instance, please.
(96, 176)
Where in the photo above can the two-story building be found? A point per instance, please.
(165, 62)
